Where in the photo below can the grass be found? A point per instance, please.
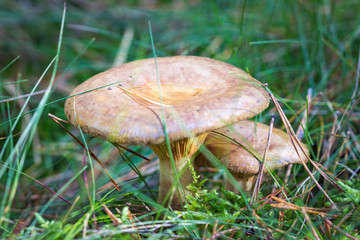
(297, 47)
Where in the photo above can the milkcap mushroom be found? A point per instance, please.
(240, 159)
(122, 105)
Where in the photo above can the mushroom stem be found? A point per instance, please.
(182, 150)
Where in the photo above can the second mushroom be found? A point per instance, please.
(243, 161)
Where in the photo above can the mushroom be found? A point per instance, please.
(179, 98)
(240, 159)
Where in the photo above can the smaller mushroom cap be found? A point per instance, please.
(122, 104)
(254, 137)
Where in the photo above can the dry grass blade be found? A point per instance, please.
(296, 143)
(339, 229)
(324, 169)
(133, 152)
(124, 46)
(113, 218)
(221, 234)
(259, 221)
(308, 220)
(344, 148)
(86, 221)
(22, 96)
(13, 135)
(331, 140)
(214, 229)
(307, 109)
(346, 217)
(71, 208)
(133, 226)
(283, 204)
(216, 232)
(269, 197)
(262, 165)
(58, 120)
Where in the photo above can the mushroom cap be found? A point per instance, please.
(122, 105)
(254, 137)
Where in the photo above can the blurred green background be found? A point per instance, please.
(275, 40)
